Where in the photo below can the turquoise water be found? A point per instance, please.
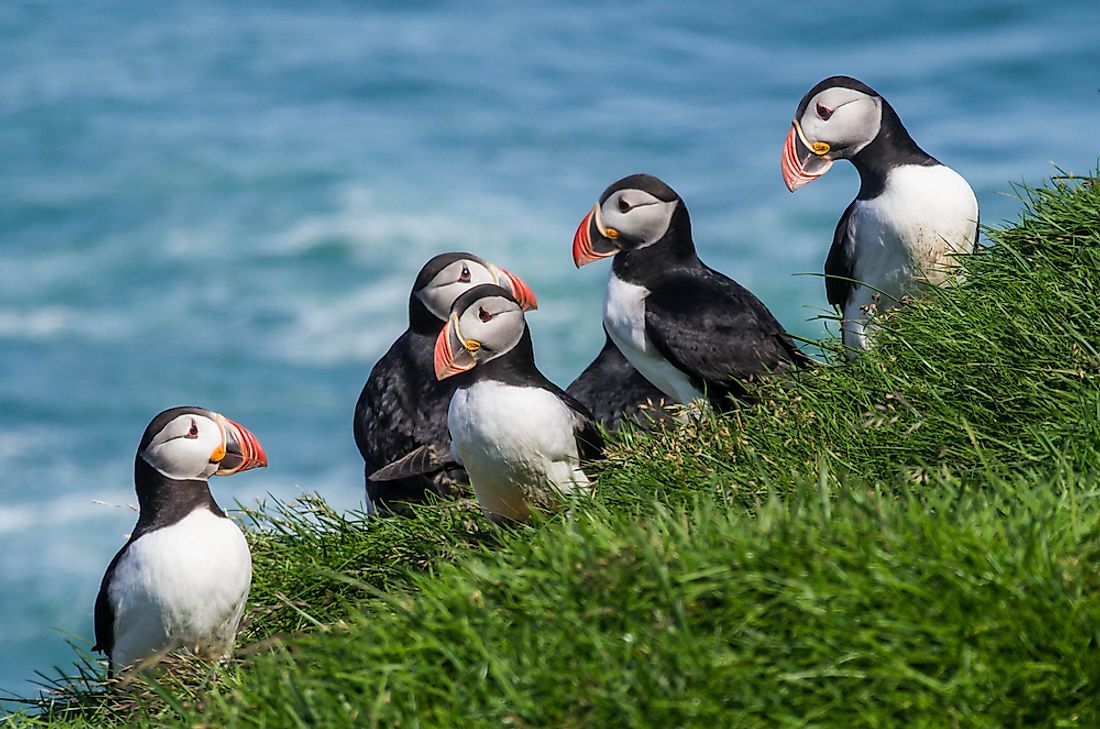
(225, 204)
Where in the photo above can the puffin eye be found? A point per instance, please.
(624, 206)
(483, 315)
(194, 431)
(464, 277)
(824, 112)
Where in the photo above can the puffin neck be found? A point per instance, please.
(675, 249)
(514, 367)
(163, 501)
(421, 320)
(892, 147)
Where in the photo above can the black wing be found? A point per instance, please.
(840, 263)
(104, 612)
(977, 231)
(425, 459)
(612, 389)
(589, 440)
(717, 331)
(401, 408)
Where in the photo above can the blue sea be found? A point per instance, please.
(225, 204)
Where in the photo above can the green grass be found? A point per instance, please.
(908, 539)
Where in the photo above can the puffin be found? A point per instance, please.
(614, 391)
(694, 333)
(521, 438)
(183, 576)
(912, 217)
(402, 405)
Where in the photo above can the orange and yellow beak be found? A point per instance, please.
(803, 162)
(240, 452)
(453, 354)
(521, 292)
(592, 240)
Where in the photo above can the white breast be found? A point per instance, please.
(185, 584)
(624, 316)
(905, 237)
(517, 444)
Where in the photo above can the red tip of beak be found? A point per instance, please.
(795, 171)
(582, 242)
(448, 361)
(791, 168)
(525, 297)
(444, 357)
(252, 453)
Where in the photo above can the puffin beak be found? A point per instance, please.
(803, 162)
(242, 451)
(453, 354)
(522, 293)
(592, 240)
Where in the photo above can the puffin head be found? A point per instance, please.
(448, 275)
(485, 323)
(835, 120)
(633, 213)
(189, 443)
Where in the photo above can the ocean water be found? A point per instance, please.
(225, 204)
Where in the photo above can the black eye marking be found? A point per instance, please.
(624, 206)
(464, 277)
(824, 112)
(483, 315)
(194, 431)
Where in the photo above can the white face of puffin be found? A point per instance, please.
(489, 327)
(191, 446)
(452, 282)
(634, 216)
(844, 119)
(495, 323)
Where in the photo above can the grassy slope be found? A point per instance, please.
(910, 538)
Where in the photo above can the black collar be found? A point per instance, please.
(675, 250)
(892, 147)
(164, 501)
(515, 367)
(421, 320)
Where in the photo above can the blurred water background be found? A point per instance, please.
(225, 204)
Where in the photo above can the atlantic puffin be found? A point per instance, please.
(402, 405)
(183, 576)
(694, 333)
(521, 438)
(911, 218)
(613, 390)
